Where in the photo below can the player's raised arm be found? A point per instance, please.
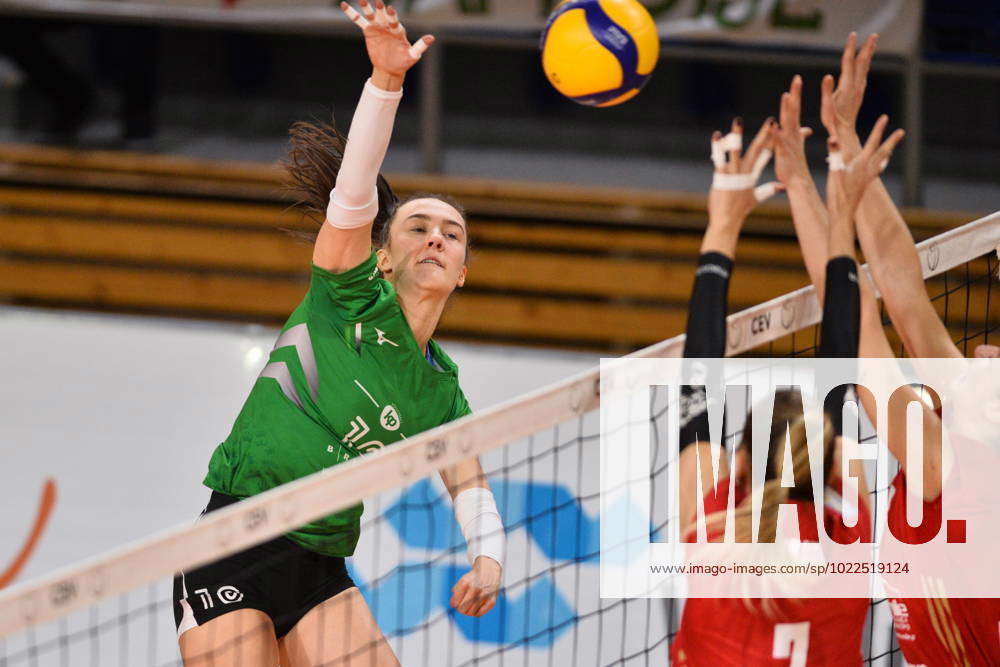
(884, 236)
(790, 166)
(733, 195)
(345, 240)
(846, 185)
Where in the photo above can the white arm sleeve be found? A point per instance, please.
(354, 199)
(476, 512)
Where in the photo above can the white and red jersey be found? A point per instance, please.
(726, 631)
(936, 630)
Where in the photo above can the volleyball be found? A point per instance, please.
(599, 52)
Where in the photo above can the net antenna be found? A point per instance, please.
(282, 509)
(45, 506)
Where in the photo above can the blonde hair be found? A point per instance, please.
(787, 412)
(787, 418)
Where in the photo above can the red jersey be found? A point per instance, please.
(941, 631)
(826, 631)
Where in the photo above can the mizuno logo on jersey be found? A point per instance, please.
(382, 338)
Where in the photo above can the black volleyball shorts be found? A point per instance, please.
(279, 577)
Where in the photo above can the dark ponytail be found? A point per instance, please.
(313, 162)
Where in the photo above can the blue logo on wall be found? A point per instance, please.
(531, 612)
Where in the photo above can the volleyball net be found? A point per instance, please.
(540, 452)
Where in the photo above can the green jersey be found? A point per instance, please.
(346, 377)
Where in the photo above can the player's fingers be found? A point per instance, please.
(785, 111)
(764, 192)
(847, 58)
(885, 150)
(795, 98)
(488, 607)
(734, 144)
(473, 606)
(772, 133)
(826, 100)
(460, 599)
(421, 45)
(469, 602)
(875, 138)
(759, 143)
(367, 10)
(458, 592)
(352, 14)
(481, 610)
(393, 17)
(718, 152)
(484, 605)
(382, 12)
(864, 60)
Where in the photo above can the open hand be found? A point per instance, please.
(385, 38)
(841, 103)
(848, 180)
(789, 137)
(476, 592)
(734, 190)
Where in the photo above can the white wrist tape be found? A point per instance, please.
(354, 200)
(476, 512)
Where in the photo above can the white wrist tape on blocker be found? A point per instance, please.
(354, 200)
(476, 512)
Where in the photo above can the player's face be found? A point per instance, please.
(426, 249)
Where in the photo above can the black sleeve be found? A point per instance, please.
(841, 326)
(705, 338)
(706, 325)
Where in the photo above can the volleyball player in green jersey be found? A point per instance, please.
(353, 370)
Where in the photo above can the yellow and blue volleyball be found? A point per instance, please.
(599, 52)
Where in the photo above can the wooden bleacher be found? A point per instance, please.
(585, 267)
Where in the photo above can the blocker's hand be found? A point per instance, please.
(849, 179)
(476, 592)
(734, 190)
(385, 38)
(841, 102)
(789, 137)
